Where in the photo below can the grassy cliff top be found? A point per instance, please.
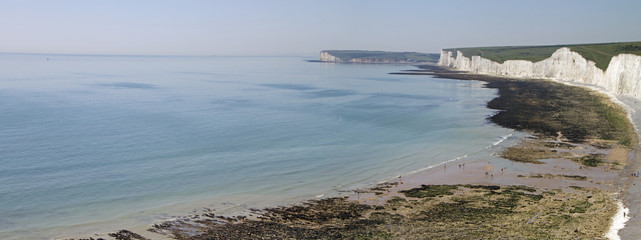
(600, 53)
(412, 56)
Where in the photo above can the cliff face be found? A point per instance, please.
(623, 75)
(326, 57)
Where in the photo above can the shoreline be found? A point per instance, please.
(555, 174)
(631, 192)
(558, 176)
(626, 197)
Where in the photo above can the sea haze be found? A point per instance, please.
(93, 143)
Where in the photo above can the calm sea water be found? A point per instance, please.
(95, 142)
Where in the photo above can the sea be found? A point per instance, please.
(92, 143)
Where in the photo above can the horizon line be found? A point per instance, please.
(152, 55)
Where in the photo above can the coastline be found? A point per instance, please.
(555, 174)
(628, 193)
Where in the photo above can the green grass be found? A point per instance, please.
(600, 53)
(410, 56)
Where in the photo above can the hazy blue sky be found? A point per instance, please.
(303, 27)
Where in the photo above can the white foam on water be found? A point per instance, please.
(618, 222)
(503, 138)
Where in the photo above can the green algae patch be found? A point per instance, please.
(580, 206)
(526, 155)
(549, 108)
(511, 212)
(590, 160)
(576, 177)
(452, 212)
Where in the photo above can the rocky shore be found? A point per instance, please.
(561, 181)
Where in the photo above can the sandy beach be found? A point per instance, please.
(553, 174)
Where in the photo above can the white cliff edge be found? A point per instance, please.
(326, 57)
(622, 77)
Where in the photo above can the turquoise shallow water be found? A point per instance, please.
(92, 140)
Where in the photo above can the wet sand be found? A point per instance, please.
(552, 174)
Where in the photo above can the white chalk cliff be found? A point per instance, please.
(622, 77)
(326, 57)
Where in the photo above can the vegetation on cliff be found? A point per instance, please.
(600, 53)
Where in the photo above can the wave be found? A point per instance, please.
(503, 138)
(425, 168)
(618, 222)
(494, 144)
(361, 184)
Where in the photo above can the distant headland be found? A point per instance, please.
(362, 56)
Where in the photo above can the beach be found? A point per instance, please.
(558, 187)
(631, 192)
(571, 188)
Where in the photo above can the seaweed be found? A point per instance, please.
(428, 191)
(591, 160)
(546, 107)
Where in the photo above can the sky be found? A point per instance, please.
(302, 27)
